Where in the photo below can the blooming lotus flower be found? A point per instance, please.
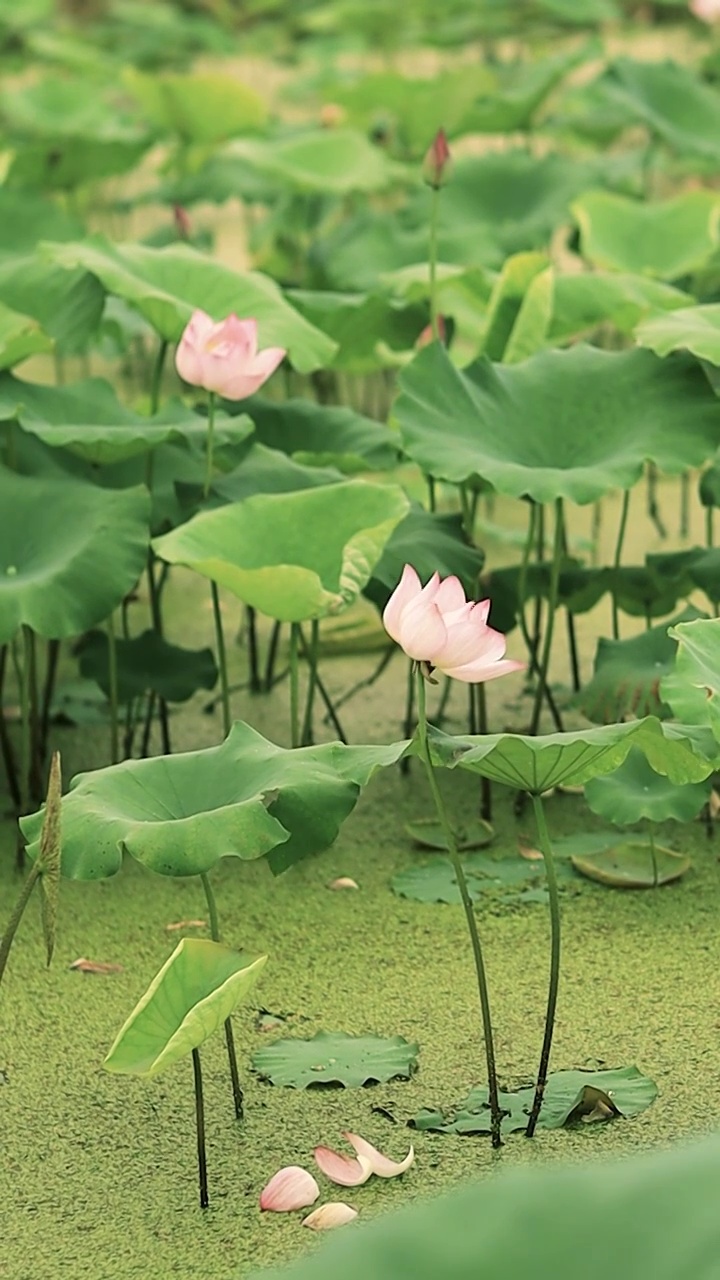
(349, 1172)
(335, 1214)
(706, 10)
(436, 626)
(290, 1188)
(224, 357)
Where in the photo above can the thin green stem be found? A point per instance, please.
(485, 783)
(157, 374)
(255, 684)
(113, 682)
(25, 715)
(543, 683)
(209, 443)
(522, 579)
(229, 1036)
(311, 654)
(685, 505)
(294, 685)
(709, 529)
(617, 559)
(6, 747)
(222, 658)
(552, 884)
(12, 925)
(200, 1127)
(495, 1111)
(653, 855)
(432, 260)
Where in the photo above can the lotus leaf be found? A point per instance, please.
(666, 238)
(333, 1057)
(695, 329)
(635, 791)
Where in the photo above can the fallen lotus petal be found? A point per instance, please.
(346, 1171)
(290, 1188)
(186, 924)
(335, 1214)
(379, 1164)
(527, 850)
(343, 882)
(83, 965)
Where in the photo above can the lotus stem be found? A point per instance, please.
(222, 658)
(684, 529)
(653, 507)
(294, 685)
(209, 443)
(551, 610)
(200, 1126)
(618, 557)
(8, 754)
(26, 733)
(229, 1036)
(482, 723)
(495, 1112)
(156, 377)
(709, 529)
(552, 884)
(255, 684)
(370, 680)
(12, 925)
(271, 657)
(51, 665)
(653, 855)
(595, 532)
(154, 591)
(113, 680)
(432, 260)
(310, 652)
(408, 721)
(432, 497)
(442, 705)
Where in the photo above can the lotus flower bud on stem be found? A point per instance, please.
(438, 161)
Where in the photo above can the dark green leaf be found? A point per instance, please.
(332, 1057)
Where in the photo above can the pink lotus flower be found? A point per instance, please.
(224, 357)
(349, 1172)
(335, 1214)
(706, 10)
(290, 1188)
(435, 625)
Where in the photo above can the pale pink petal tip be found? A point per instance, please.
(335, 1214)
(290, 1188)
(344, 1170)
(379, 1164)
(343, 882)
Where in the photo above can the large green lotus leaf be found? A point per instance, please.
(665, 238)
(323, 435)
(693, 688)
(68, 305)
(88, 419)
(597, 417)
(192, 995)
(326, 161)
(569, 1095)
(147, 661)
(627, 674)
(200, 107)
(659, 1219)
(27, 218)
(672, 101)
(585, 300)
(537, 764)
(522, 88)
(695, 567)
(293, 556)
(695, 329)
(179, 814)
(69, 552)
(432, 543)
(635, 791)
(364, 325)
(165, 285)
(263, 470)
(413, 108)
(20, 337)
(334, 1057)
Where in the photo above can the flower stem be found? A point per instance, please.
(543, 686)
(616, 561)
(432, 260)
(653, 855)
(222, 658)
(546, 848)
(209, 441)
(157, 373)
(200, 1125)
(294, 685)
(495, 1111)
(229, 1036)
(113, 680)
(311, 654)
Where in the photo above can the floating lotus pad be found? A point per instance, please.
(293, 556)
(179, 814)
(597, 418)
(333, 1057)
(429, 834)
(69, 552)
(633, 864)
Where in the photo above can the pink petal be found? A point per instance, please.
(422, 631)
(450, 595)
(199, 327)
(407, 589)
(290, 1188)
(239, 383)
(242, 334)
(335, 1214)
(481, 671)
(344, 1170)
(266, 362)
(379, 1164)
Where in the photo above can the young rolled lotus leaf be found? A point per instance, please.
(193, 994)
(20, 337)
(89, 420)
(88, 549)
(663, 238)
(179, 814)
(46, 868)
(253, 548)
(694, 329)
(166, 285)
(536, 764)
(457, 424)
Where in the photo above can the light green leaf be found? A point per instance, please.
(332, 1057)
(635, 791)
(671, 100)
(20, 337)
(200, 107)
(334, 161)
(695, 329)
(192, 995)
(694, 686)
(665, 238)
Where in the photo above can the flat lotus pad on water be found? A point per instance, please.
(333, 1057)
(597, 418)
(570, 1097)
(513, 880)
(632, 864)
(430, 834)
(293, 556)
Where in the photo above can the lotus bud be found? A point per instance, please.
(183, 225)
(335, 1214)
(437, 162)
(705, 10)
(290, 1188)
